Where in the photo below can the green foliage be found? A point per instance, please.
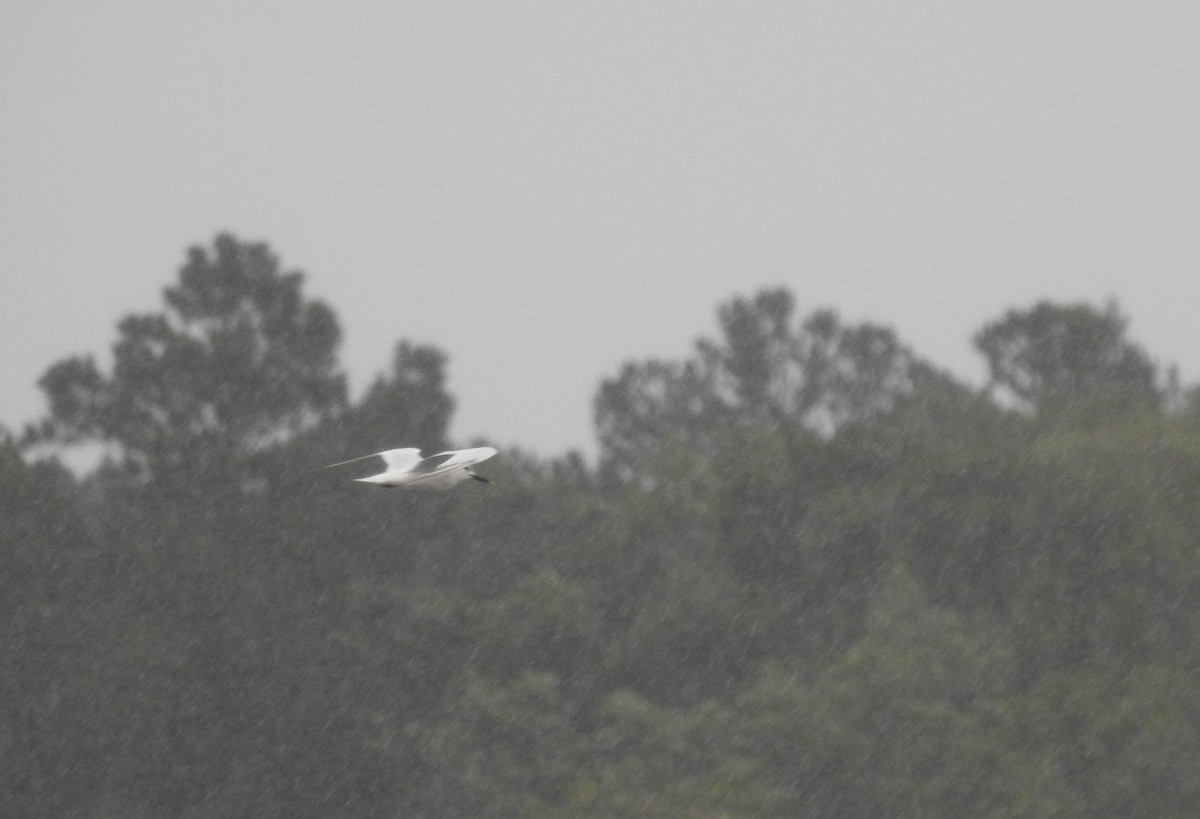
(239, 360)
(814, 377)
(902, 722)
(811, 576)
(1126, 742)
(51, 611)
(543, 623)
(689, 641)
(1072, 359)
(501, 750)
(1115, 559)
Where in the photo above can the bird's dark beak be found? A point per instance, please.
(480, 478)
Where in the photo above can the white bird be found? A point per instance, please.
(408, 470)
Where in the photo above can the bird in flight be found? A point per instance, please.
(408, 470)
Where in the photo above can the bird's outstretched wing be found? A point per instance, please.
(444, 462)
(399, 459)
(394, 458)
(467, 457)
(433, 464)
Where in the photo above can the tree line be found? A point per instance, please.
(810, 574)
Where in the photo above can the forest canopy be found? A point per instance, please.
(809, 574)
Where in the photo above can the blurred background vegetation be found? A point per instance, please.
(809, 574)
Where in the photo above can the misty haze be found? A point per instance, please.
(830, 375)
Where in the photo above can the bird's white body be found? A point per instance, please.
(408, 470)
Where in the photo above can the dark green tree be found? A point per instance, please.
(765, 371)
(1051, 357)
(52, 679)
(815, 577)
(239, 359)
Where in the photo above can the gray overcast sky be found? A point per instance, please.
(546, 189)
